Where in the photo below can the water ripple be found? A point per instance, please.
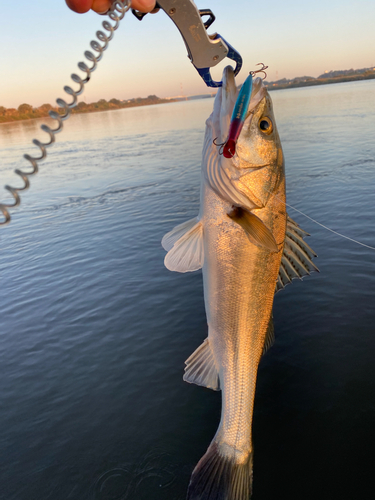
(138, 480)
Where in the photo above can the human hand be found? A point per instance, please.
(102, 6)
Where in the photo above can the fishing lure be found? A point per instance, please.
(238, 117)
(228, 148)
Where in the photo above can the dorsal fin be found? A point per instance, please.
(296, 259)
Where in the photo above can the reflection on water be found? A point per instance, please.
(123, 122)
(154, 472)
(95, 330)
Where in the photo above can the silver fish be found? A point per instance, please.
(248, 248)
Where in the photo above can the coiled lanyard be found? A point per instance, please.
(204, 51)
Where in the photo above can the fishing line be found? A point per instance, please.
(322, 225)
(326, 227)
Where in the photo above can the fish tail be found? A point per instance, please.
(221, 477)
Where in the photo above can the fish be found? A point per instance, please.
(248, 249)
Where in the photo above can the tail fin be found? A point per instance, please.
(219, 477)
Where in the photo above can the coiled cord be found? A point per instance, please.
(116, 14)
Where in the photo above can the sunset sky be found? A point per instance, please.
(42, 42)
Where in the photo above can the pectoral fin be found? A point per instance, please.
(177, 232)
(255, 229)
(185, 245)
(201, 369)
(296, 260)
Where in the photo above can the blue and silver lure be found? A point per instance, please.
(238, 117)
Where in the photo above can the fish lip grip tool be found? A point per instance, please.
(204, 51)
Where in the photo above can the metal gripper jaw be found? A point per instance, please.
(204, 50)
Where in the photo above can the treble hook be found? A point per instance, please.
(220, 145)
(261, 70)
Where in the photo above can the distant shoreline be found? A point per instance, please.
(27, 112)
(319, 81)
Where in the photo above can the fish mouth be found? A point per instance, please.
(229, 82)
(229, 92)
(224, 105)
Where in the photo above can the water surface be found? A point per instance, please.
(95, 330)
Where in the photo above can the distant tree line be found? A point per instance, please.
(348, 75)
(28, 112)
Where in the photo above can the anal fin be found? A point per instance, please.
(200, 368)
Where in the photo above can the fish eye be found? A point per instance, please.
(265, 125)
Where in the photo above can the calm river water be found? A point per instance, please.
(95, 331)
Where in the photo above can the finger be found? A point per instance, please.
(143, 5)
(79, 6)
(101, 6)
